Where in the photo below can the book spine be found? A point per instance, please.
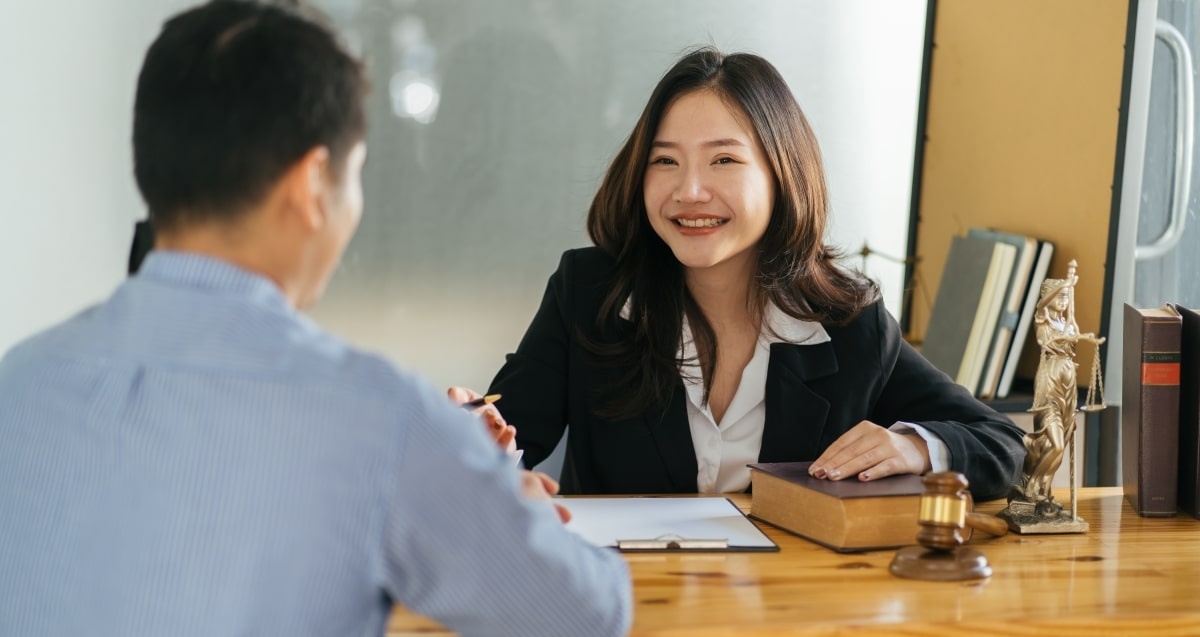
(1011, 308)
(1150, 420)
(1032, 290)
(987, 315)
(1189, 412)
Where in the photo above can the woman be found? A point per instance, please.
(710, 327)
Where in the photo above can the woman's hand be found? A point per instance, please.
(872, 452)
(539, 486)
(503, 433)
(535, 485)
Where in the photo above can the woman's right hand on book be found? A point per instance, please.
(503, 433)
(870, 452)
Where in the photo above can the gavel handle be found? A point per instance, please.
(989, 524)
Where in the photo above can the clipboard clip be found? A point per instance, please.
(672, 542)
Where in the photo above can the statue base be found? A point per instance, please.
(1030, 518)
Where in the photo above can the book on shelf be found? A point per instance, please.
(967, 307)
(1010, 309)
(1189, 411)
(1150, 368)
(1033, 290)
(846, 515)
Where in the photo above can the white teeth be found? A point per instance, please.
(700, 223)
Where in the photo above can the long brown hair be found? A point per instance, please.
(796, 270)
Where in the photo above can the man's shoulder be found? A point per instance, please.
(66, 335)
(254, 344)
(329, 359)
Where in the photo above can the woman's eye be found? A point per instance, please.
(664, 161)
(725, 160)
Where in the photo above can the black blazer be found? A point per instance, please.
(814, 394)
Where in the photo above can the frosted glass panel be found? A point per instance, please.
(1172, 276)
(491, 124)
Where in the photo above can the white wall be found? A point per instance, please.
(66, 168)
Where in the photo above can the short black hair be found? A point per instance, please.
(231, 94)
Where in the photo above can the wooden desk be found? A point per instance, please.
(1126, 576)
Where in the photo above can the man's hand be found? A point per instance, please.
(503, 433)
(872, 452)
(539, 486)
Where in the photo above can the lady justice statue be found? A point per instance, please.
(1031, 506)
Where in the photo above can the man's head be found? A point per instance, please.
(248, 125)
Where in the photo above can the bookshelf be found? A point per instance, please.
(1019, 132)
(1022, 123)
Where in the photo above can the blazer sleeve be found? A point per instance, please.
(984, 445)
(533, 379)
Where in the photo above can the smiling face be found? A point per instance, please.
(708, 189)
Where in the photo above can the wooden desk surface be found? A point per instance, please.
(1126, 576)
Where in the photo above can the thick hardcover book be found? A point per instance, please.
(1150, 410)
(1189, 412)
(1010, 310)
(846, 515)
(967, 307)
(1033, 290)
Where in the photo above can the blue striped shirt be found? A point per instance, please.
(194, 457)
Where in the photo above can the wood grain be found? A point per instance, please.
(1126, 576)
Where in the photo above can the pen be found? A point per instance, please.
(479, 402)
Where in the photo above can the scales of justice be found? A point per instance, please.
(1032, 508)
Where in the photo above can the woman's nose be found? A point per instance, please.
(692, 187)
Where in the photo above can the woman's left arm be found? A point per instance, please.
(983, 444)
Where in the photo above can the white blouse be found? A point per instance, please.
(724, 449)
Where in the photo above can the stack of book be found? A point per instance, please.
(984, 308)
(1160, 410)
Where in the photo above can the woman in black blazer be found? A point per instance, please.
(711, 326)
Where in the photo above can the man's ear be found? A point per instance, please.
(304, 188)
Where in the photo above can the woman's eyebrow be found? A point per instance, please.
(716, 142)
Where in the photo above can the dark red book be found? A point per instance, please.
(1150, 370)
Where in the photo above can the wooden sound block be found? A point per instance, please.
(945, 515)
(961, 563)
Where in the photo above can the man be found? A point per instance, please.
(194, 457)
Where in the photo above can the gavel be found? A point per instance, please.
(945, 515)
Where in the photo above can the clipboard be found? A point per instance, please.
(667, 524)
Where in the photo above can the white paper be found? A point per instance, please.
(604, 521)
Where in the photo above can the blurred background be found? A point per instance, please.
(491, 124)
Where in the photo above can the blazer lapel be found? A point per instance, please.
(673, 437)
(795, 415)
